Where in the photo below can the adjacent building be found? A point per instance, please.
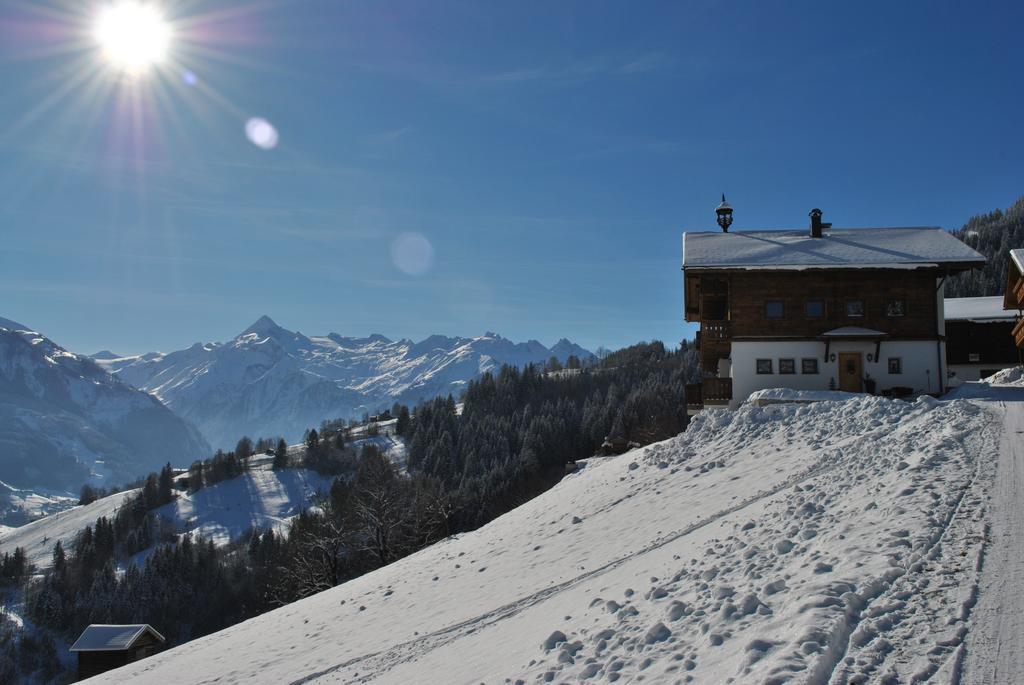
(979, 338)
(1013, 298)
(856, 309)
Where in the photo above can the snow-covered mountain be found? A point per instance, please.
(64, 420)
(835, 542)
(272, 381)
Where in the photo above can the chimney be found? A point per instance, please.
(816, 224)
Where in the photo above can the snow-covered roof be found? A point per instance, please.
(112, 638)
(1018, 258)
(891, 248)
(853, 332)
(978, 309)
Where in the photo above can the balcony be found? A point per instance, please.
(715, 330)
(708, 393)
(1018, 333)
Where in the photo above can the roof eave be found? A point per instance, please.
(948, 267)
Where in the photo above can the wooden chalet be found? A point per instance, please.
(1013, 297)
(818, 309)
(979, 338)
(102, 647)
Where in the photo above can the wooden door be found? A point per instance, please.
(851, 372)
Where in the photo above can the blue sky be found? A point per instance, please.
(551, 154)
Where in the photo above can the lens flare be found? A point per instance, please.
(261, 133)
(133, 36)
(412, 253)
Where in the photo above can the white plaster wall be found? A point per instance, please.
(921, 366)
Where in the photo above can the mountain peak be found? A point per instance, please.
(263, 326)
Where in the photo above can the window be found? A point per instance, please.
(787, 366)
(895, 365)
(809, 365)
(894, 308)
(764, 366)
(814, 309)
(855, 307)
(773, 309)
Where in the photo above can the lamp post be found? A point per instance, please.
(724, 212)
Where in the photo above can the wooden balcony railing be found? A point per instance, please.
(1018, 292)
(715, 330)
(710, 391)
(1018, 332)
(716, 390)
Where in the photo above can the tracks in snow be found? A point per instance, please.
(912, 626)
(382, 661)
(993, 647)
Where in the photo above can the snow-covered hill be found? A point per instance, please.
(830, 542)
(271, 381)
(261, 497)
(38, 537)
(64, 420)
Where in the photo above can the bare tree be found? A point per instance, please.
(380, 507)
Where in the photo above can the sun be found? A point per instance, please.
(134, 36)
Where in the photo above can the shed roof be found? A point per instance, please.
(845, 248)
(112, 638)
(978, 309)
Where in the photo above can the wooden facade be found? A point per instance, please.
(805, 304)
(990, 343)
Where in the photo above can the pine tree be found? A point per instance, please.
(243, 449)
(165, 484)
(280, 455)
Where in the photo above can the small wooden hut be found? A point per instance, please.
(101, 647)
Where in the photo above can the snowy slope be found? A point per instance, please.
(39, 537)
(818, 542)
(63, 420)
(271, 381)
(261, 497)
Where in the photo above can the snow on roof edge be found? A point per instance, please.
(977, 309)
(897, 247)
(106, 646)
(1017, 256)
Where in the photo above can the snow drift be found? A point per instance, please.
(835, 540)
